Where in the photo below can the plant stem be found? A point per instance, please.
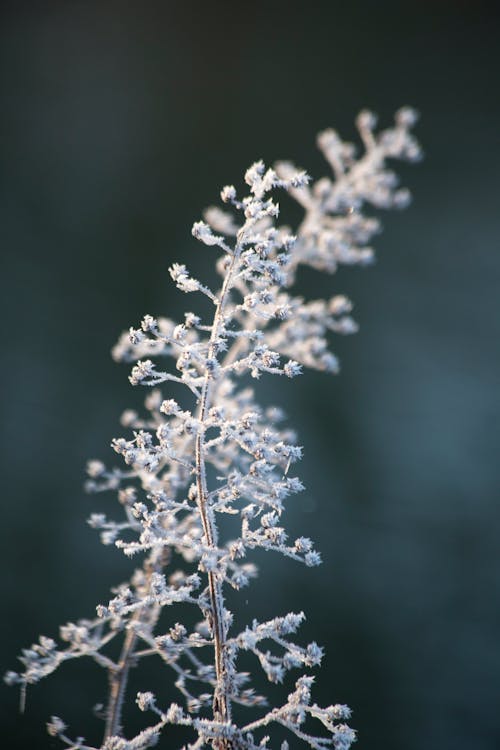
(221, 701)
(117, 685)
(118, 677)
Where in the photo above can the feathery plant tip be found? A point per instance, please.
(215, 458)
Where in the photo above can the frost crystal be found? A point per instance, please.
(218, 451)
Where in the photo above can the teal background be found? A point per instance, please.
(120, 122)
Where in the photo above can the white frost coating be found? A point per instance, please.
(218, 451)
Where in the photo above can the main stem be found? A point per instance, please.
(221, 701)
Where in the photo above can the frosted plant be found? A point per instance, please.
(206, 476)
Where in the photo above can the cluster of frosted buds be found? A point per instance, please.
(335, 230)
(214, 450)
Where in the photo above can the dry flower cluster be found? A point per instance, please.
(219, 452)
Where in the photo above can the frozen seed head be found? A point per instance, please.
(213, 459)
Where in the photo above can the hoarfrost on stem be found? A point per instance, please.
(220, 452)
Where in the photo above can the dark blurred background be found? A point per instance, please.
(120, 122)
